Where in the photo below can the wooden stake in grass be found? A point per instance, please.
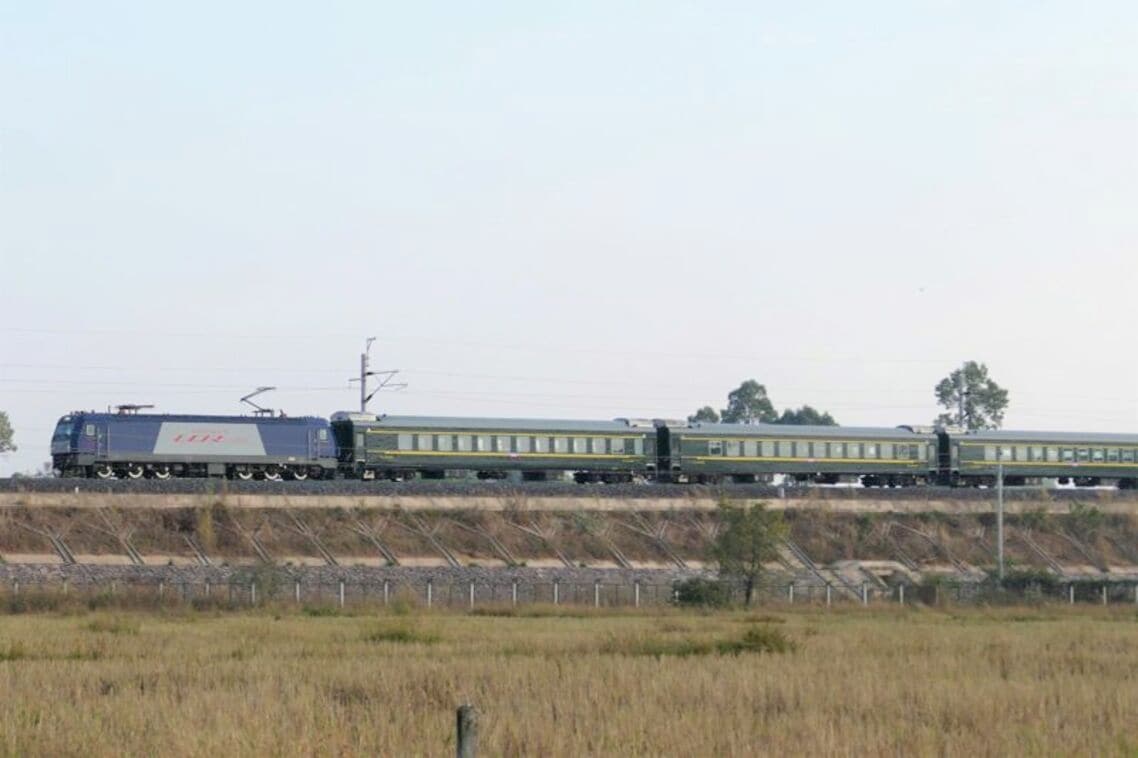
(466, 745)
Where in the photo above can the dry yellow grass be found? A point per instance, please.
(972, 682)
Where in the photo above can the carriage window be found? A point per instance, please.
(403, 442)
(886, 449)
(598, 445)
(732, 448)
(616, 446)
(465, 443)
(1067, 455)
(768, 449)
(561, 444)
(541, 444)
(901, 451)
(714, 447)
(1084, 455)
(837, 450)
(503, 444)
(871, 451)
(1053, 454)
(1127, 455)
(482, 443)
(1037, 454)
(1112, 455)
(1006, 454)
(638, 446)
(750, 448)
(445, 442)
(425, 442)
(579, 444)
(89, 430)
(1097, 455)
(523, 444)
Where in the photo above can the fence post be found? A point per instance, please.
(556, 590)
(430, 587)
(466, 743)
(472, 594)
(64, 586)
(15, 586)
(1104, 594)
(596, 593)
(636, 593)
(296, 591)
(161, 589)
(864, 594)
(515, 592)
(1071, 593)
(207, 588)
(253, 592)
(341, 593)
(385, 592)
(829, 591)
(901, 594)
(790, 593)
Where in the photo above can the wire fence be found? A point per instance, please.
(268, 588)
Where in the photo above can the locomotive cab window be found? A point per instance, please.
(89, 430)
(322, 435)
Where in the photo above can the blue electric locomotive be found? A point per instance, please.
(133, 446)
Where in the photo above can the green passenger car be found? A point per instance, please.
(1087, 459)
(823, 454)
(399, 447)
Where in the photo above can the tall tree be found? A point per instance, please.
(6, 445)
(972, 399)
(749, 536)
(706, 413)
(806, 416)
(748, 404)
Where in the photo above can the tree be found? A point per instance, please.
(748, 404)
(748, 537)
(972, 399)
(806, 416)
(706, 413)
(6, 445)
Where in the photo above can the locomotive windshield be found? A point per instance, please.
(63, 430)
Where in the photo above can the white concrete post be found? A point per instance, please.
(253, 592)
(385, 592)
(1071, 593)
(341, 593)
(16, 586)
(1104, 594)
(596, 594)
(207, 588)
(515, 592)
(556, 591)
(636, 593)
(296, 590)
(901, 594)
(864, 594)
(829, 590)
(790, 593)
(430, 587)
(472, 595)
(161, 588)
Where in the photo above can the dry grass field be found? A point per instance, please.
(808, 682)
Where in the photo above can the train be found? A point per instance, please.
(367, 446)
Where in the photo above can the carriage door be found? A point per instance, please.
(663, 453)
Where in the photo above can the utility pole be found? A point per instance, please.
(385, 383)
(1000, 510)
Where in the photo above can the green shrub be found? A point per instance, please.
(702, 593)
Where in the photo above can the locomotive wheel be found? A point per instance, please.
(243, 474)
(161, 471)
(272, 474)
(300, 474)
(134, 470)
(104, 471)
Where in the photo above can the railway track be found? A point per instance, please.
(506, 490)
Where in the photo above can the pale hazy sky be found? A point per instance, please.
(582, 210)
